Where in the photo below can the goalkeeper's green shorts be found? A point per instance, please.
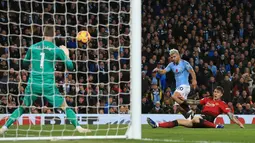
(50, 93)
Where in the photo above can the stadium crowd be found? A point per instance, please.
(215, 36)
(100, 81)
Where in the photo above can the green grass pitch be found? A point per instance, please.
(230, 134)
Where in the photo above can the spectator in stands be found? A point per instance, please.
(245, 96)
(146, 105)
(81, 105)
(241, 86)
(167, 107)
(227, 86)
(156, 94)
(11, 104)
(167, 96)
(146, 83)
(213, 68)
(122, 110)
(248, 109)
(239, 109)
(231, 67)
(231, 106)
(157, 109)
(249, 100)
(212, 84)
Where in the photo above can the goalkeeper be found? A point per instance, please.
(42, 81)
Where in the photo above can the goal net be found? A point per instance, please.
(99, 89)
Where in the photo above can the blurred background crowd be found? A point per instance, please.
(100, 82)
(217, 37)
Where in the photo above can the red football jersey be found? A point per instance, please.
(214, 107)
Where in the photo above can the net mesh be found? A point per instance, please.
(97, 89)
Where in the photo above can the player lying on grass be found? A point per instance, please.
(42, 57)
(212, 108)
(181, 70)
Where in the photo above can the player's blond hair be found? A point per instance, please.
(173, 51)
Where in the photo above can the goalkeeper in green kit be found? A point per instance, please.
(42, 57)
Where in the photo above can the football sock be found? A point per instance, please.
(185, 106)
(207, 124)
(71, 116)
(14, 116)
(168, 124)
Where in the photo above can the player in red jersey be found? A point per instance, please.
(212, 108)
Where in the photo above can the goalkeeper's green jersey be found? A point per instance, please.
(43, 56)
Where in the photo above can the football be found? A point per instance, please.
(83, 36)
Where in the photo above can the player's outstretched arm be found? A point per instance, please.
(63, 54)
(164, 71)
(234, 119)
(66, 51)
(160, 71)
(193, 102)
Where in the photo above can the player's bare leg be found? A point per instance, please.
(170, 124)
(196, 122)
(14, 116)
(71, 116)
(186, 112)
(180, 122)
(185, 123)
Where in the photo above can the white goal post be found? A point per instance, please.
(106, 126)
(136, 51)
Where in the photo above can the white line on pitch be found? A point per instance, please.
(178, 141)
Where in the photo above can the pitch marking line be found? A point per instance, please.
(178, 141)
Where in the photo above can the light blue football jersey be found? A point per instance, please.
(181, 72)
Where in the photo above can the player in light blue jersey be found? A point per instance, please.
(182, 69)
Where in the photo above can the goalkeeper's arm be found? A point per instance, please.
(26, 60)
(63, 54)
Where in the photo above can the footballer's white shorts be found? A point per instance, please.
(184, 90)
